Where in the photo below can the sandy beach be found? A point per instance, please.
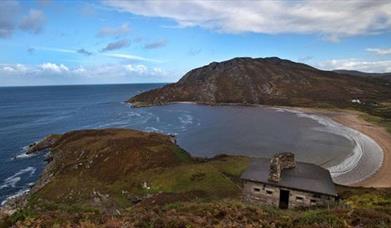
(381, 178)
(374, 141)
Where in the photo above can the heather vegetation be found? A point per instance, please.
(114, 178)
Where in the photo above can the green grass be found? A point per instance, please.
(383, 122)
(215, 178)
(369, 200)
(361, 208)
(182, 155)
(320, 218)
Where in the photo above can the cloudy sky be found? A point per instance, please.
(47, 42)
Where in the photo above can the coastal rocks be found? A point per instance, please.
(12, 204)
(278, 163)
(172, 138)
(43, 144)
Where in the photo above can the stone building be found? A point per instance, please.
(285, 183)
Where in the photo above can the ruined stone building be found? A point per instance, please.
(285, 183)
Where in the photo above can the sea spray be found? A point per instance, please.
(11, 181)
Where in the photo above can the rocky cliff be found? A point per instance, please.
(271, 81)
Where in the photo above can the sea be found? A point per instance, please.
(28, 114)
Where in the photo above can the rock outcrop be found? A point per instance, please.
(270, 81)
(43, 144)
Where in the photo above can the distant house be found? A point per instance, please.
(356, 101)
(285, 183)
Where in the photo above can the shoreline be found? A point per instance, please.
(378, 177)
(367, 169)
(351, 119)
(381, 178)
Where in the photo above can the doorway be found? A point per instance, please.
(284, 199)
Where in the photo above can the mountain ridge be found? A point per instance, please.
(386, 75)
(269, 81)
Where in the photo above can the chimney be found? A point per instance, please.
(278, 163)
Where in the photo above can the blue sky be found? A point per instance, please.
(115, 41)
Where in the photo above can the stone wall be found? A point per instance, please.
(261, 193)
(267, 194)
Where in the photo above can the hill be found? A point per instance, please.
(270, 81)
(364, 74)
(87, 165)
(127, 178)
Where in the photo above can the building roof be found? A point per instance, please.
(305, 177)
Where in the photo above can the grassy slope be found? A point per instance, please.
(106, 170)
(380, 115)
(183, 192)
(361, 207)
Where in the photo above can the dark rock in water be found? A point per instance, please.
(269, 81)
(43, 144)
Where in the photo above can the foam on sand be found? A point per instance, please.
(365, 159)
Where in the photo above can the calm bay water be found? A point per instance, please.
(27, 114)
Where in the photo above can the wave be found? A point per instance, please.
(330, 126)
(16, 195)
(152, 129)
(10, 182)
(24, 154)
(186, 119)
(346, 172)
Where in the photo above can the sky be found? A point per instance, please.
(48, 42)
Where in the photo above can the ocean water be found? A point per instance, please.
(28, 114)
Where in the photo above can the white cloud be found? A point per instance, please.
(54, 68)
(33, 22)
(8, 10)
(131, 57)
(116, 45)
(114, 31)
(140, 69)
(80, 70)
(380, 51)
(356, 64)
(62, 50)
(112, 55)
(156, 44)
(106, 71)
(331, 19)
(16, 68)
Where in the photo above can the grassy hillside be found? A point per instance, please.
(114, 178)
